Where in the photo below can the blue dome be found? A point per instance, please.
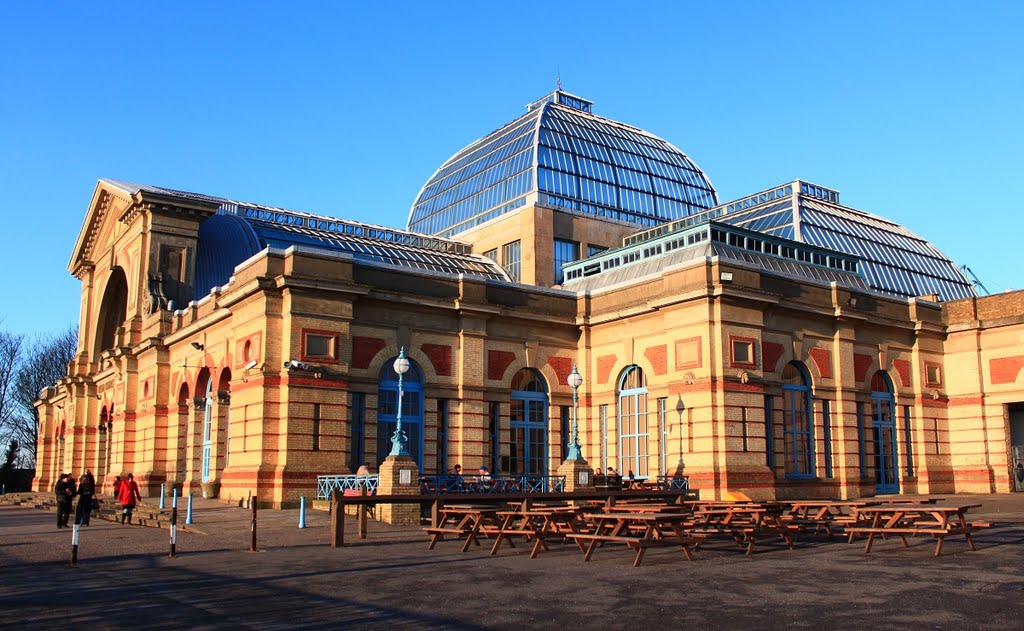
(224, 242)
(570, 159)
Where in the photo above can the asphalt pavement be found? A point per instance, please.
(124, 579)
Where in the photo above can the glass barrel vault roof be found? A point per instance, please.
(572, 159)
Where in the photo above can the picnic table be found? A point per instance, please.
(463, 521)
(824, 515)
(637, 530)
(934, 520)
(537, 524)
(744, 522)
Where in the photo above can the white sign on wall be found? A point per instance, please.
(584, 478)
(405, 476)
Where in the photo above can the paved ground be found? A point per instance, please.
(124, 580)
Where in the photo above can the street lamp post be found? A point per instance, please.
(575, 380)
(399, 443)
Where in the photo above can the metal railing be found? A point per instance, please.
(673, 483)
(450, 484)
(327, 483)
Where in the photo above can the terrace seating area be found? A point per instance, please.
(689, 526)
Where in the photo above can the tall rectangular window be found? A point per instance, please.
(826, 421)
(357, 423)
(603, 417)
(492, 254)
(663, 435)
(565, 252)
(442, 436)
(860, 440)
(769, 438)
(316, 427)
(908, 441)
(594, 249)
(494, 431)
(511, 254)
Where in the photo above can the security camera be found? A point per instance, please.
(250, 365)
(295, 364)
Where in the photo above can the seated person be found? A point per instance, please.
(484, 476)
(364, 469)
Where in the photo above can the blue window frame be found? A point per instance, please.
(633, 433)
(663, 435)
(412, 410)
(566, 429)
(603, 419)
(494, 436)
(528, 422)
(565, 252)
(798, 426)
(860, 441)
(883, 434)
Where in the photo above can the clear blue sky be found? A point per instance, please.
(911, 109)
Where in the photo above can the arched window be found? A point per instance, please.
(798, 429)
(412, 410)
(224, 395)
(205, 384)
(528, 422)
(633, 422)
(883, 433)
(113, 310)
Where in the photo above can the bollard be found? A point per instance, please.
(337, 520)
(188, 511)
(174, 529)
(302, 511)
(252, 543)
(174, 498)
(163, 488)
(74, 545)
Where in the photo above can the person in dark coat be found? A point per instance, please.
(65, 492)
(86, 493)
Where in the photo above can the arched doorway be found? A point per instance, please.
(412, 410)
(113, 310)
(528, 422)
(633, 433)
(883, 434)
(798, 430)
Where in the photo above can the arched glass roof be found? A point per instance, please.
(571, 159)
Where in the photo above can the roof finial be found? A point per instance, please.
(558, 78)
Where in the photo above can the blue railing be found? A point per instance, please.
(445, 484)
(327, 483)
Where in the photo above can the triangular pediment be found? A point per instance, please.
(115, 201)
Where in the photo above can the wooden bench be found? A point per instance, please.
(638, 544)
(937, 522)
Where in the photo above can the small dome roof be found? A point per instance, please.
(572, 159)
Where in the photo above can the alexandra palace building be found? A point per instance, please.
(781, 345)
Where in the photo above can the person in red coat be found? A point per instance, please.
(127, 494)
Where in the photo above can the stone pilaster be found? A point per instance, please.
(399, 475)
(579, 475)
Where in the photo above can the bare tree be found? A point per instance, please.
(10, 358)
(43, 363)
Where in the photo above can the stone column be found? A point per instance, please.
(399, 475)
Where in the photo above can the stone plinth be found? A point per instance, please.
(579, 475)
(399, 475)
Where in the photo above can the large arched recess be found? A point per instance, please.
(113, 310)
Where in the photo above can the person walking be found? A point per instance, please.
(127, 493)
(86, 495)
(65, 492)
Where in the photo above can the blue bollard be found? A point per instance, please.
(302, 511)
(188, 514)
(163, 489)
(174, 499)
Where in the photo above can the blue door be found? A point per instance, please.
(884, 437)
(528, 422)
